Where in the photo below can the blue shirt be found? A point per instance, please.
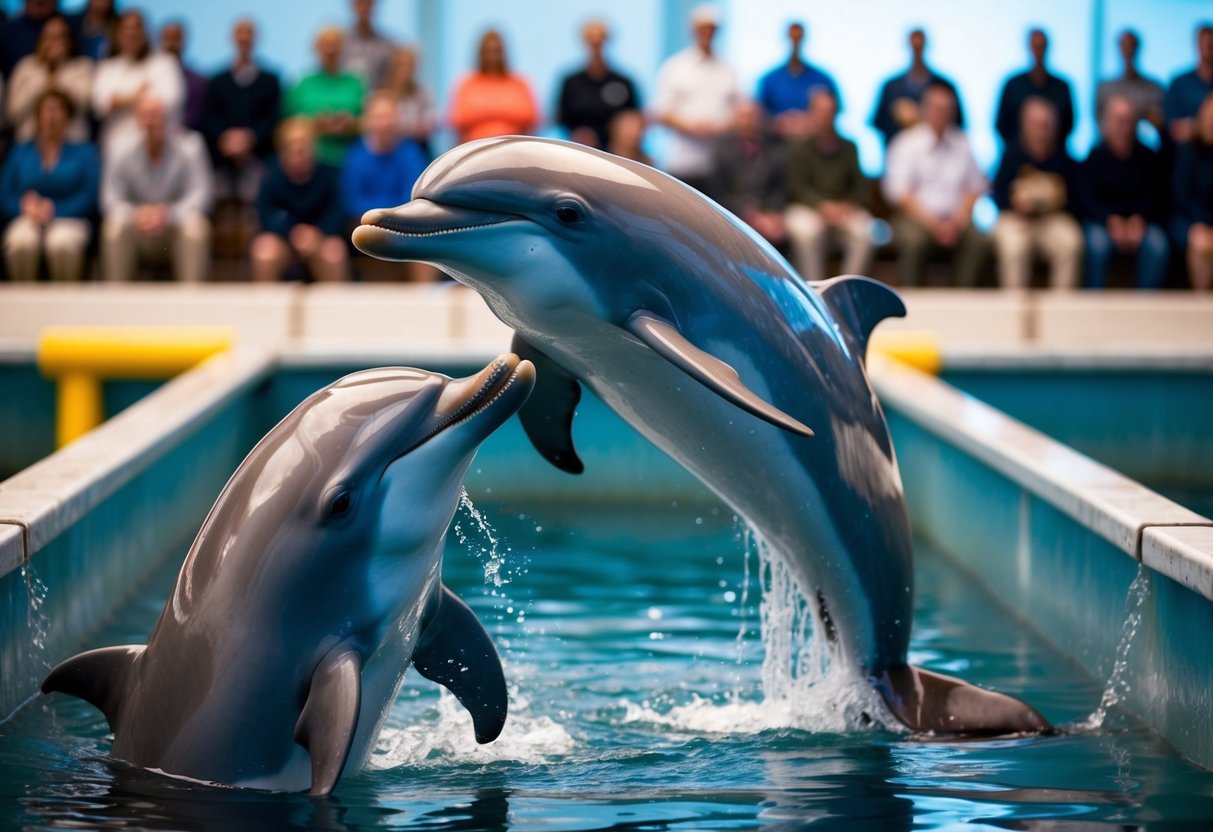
(71, 184)
(1184, 95)
(379, 180)
(780, 91)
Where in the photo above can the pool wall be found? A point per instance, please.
(1057, 536)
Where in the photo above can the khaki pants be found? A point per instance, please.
(810, 238)
(1055, 237)
(916, 245)
(187, 245)
(63, 240)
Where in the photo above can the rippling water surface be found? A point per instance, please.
(640, 701)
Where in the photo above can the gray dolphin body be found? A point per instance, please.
(700, 335)
(312, 584)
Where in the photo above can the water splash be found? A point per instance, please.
(1118, 688)
(37, 620)
(489, 551)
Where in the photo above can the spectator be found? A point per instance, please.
(626, 136)
(132, 73)
(1194, 198)
(172, 42)
(897, 108)
(1145, 93)
(932, 181)
(299, 208)
(826, 189)
(239, 117)
(55, 64)
(19, 35)
(332, 99)
(94, 27)
(1120, 201)
(381, 167)
(155, 195)
(784, 92)
(49, 193)
(1037, 81)
(1034, 191)
(414, 104)
(1187, 91)
(367, 53)
(747, 177)
(696, 96)
(589, 99)
(493, 101)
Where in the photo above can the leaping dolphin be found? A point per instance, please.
(700, 335)
(313, 582)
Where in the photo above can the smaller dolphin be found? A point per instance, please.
(314, 580)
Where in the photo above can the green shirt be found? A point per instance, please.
(319, 93)
(815, 177)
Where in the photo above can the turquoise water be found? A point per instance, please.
(630, 638)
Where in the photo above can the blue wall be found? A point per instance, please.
(861, 42)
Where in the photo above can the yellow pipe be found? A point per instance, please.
(81, 357)
(918, 348)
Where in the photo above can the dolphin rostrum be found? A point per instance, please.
(699, 334)
(313, 582)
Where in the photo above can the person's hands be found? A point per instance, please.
(236, 142)
(835, 214)
(150, 220)
(305, 239)
(37, 208)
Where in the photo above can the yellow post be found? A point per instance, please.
(81, 357)
(919, 349)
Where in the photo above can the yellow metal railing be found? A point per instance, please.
(918, 348)
(80, 358)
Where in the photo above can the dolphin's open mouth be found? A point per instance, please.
(423, 218)
(508, 377)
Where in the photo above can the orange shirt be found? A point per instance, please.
(493, 105)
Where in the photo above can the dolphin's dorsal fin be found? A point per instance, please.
(860, 303)
(664, 339)
(932, 703)
(547, 416)
(455, 651)
(99, 677)
(330, 716)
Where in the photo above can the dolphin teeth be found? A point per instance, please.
(477, 403)
(386, 225)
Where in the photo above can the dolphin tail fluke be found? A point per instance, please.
(329, 718)
(456, 652)
(547, 416)
(663, 338)
(99, 677)
(931, 703)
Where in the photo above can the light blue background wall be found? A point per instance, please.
(976, 42)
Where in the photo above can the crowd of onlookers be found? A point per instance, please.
(116, 146)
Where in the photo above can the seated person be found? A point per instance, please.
(55, 65)
(1034, 189)
(239, 117)
(932, 181)
(380, 169)
(331, 98)
(1120, 201)
(49, 192)
(1193, 182)
(155, 194)
(747, 177)
(299, 208)
(132, 71)
(826, 190)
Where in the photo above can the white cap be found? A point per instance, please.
(705, 15)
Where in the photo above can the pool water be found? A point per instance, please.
(630, 637)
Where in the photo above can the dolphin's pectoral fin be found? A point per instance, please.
(456, 652)
(330, 716)
(664, 339)
(861, 303)
(930, 702)
(547, 416)
(99, 677)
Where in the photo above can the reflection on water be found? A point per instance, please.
(636, 676)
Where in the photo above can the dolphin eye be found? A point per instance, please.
(340, 503)
(569, 212)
